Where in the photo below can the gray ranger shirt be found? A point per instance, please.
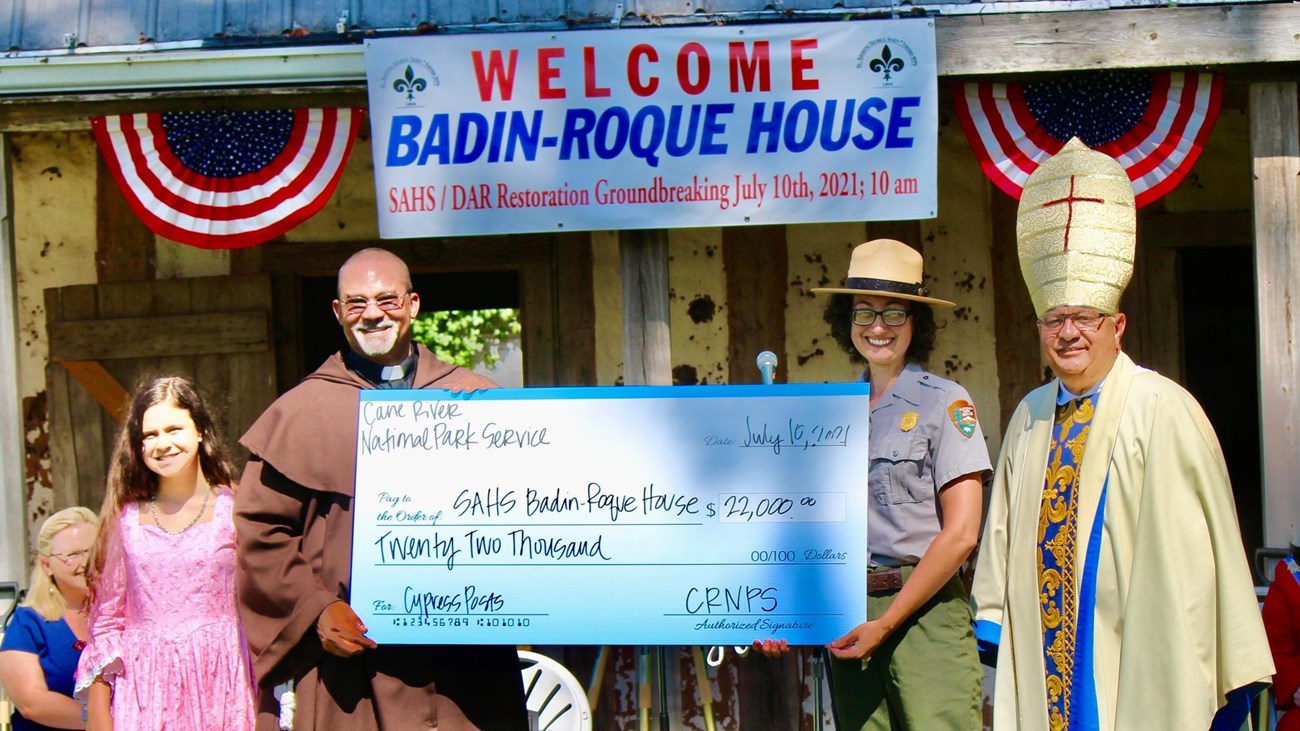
(924, 434)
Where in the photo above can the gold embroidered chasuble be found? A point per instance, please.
(1176, 623)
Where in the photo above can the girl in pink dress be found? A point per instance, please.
(165, 649)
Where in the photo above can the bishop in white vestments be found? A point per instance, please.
(1111, 577)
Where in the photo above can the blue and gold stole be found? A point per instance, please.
(1057, 563)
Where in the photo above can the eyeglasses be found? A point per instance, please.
(72, 558)
(355, 306)
(894, 318)
(1085, 321)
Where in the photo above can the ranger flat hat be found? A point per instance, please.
(1076, 231)
(887, 268)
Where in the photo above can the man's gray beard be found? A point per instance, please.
(370, 345)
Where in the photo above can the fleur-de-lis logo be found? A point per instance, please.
(409, 83)
(887, 63)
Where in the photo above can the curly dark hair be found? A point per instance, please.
(924, 328)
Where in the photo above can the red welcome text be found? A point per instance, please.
(748, 69)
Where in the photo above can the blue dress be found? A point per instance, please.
(53, 643)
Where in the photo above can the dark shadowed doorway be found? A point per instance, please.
(1221, 363)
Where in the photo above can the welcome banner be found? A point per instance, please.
(653, 128)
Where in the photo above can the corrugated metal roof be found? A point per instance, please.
(43, 26)
(53, 24)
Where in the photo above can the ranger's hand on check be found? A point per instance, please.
(772, 648)
(341, 631)
(860, 642)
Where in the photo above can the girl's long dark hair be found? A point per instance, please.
(130, 479)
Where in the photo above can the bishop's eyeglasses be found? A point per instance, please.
(1086, 321)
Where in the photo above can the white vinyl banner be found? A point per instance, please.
(654, 128)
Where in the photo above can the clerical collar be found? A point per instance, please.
(1065, 396)
(401, 375)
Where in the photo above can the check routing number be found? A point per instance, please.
(635, 516)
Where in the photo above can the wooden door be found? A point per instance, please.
(105, 338)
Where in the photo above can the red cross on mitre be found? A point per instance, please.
(1069, 201)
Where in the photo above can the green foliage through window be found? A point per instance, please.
(463, 337)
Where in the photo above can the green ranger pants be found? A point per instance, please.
(924, 677)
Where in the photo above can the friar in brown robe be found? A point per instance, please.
(293, 519)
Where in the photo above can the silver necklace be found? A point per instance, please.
(153, 510)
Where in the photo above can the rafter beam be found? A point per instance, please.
(969, 44)
(1116, 39)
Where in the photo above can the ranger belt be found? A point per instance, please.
(885, 579)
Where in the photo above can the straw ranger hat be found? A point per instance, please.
(887, 268)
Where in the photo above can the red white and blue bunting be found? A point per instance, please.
(1154, 123)
(226, 179)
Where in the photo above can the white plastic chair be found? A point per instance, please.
(556, 700)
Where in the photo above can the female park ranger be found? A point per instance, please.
(913, 663)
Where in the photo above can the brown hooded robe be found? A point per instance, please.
(293, 520)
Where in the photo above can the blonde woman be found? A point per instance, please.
(44, 639)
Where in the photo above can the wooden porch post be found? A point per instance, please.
(13, 508)
(1275, 149)
(647, 361)
(647, 357)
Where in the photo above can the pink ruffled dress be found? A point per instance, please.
(164, 628)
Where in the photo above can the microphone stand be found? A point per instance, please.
(766, 362)
(663, 689)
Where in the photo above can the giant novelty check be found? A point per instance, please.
(631, 516)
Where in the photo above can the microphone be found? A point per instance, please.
(766, 362)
